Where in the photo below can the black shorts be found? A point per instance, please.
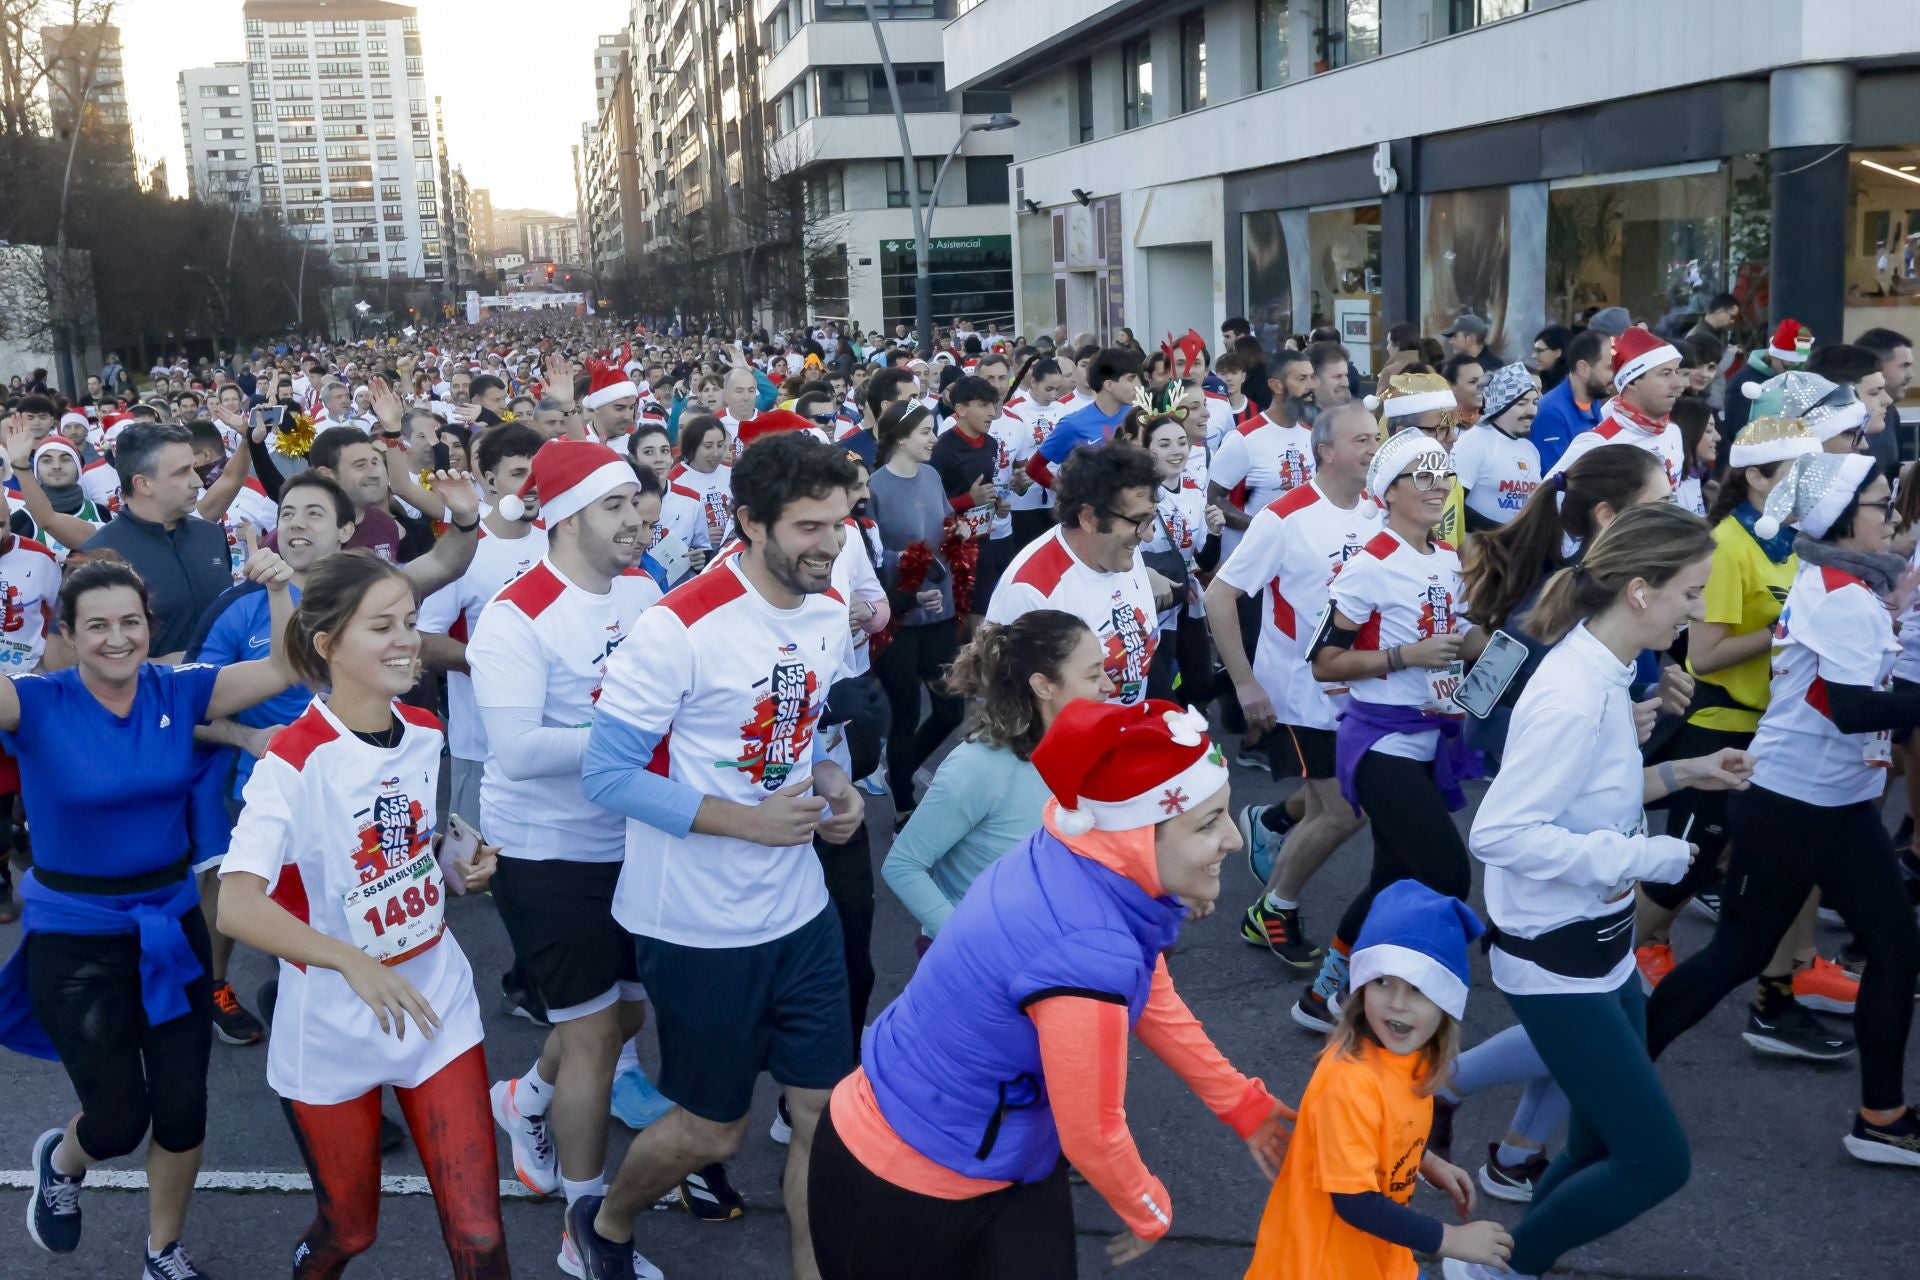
(1297, 752)
(559, 917)
(725, 1014)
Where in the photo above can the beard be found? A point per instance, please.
(1301, 409)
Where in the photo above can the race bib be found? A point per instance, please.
(395, 916)
(1442, 684)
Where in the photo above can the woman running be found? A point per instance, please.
(113, 973)
(1812, 818)
(1396, 634)
(333, 869)
(1564, 840)
(986, 796)
(1186, 528)
(940, 1158)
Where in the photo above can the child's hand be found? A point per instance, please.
(1269, 1142)
(1485, 1242)
(1452, 1179)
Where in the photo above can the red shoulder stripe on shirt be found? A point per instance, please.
(28, 544)
(833, 594)
(302, 738)
(702, 594)
(1252, 425)
(1607, 430)
(290, 894)
(1044, 569)
(1215, 395)
(97, 464)
(1833, 579)
(1381, 545)
(534, 590)
(420, 716)
(685, 492)
(1188, 482)
(1294, 500)
(1817, 697)
(1444, 546)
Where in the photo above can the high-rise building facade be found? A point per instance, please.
(606, 164)
(86, 84)
(214, 126)
(480, 222)
(344, 129)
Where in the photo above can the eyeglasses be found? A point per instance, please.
(1142, 525)
(1884, 507)
(1426, 479)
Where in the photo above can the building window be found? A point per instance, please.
(1083, 99)
(986, 102)
(1193, 60)
(987, 179)
(825, 194)
(898, 197)
(219, 90)
(860, 91)
(1349, 32)
(1136, 66)
(1270, 40)
(856, 10)
(1465, 15)
(222, 135)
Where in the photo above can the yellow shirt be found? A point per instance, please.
(1362, 1127)
(1744, 594)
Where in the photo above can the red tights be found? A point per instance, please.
(453, 1130)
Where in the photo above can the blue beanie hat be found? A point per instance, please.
(1421, 935)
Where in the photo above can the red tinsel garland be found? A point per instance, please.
(963, 557)
(915, 559)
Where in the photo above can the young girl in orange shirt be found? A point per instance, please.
(1340, 1204)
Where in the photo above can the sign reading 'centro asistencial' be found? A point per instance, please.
(958, 244)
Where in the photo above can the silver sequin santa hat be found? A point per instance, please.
(1814, 493)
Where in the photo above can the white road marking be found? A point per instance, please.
(277, 1183)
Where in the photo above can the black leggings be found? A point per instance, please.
(1783, 849)
(848, 869)
(916, 656)
(1188, 651)
(1706, 811)
(866, 1228)
(129, 1076)
(1413, 835)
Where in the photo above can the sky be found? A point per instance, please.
(515, 81)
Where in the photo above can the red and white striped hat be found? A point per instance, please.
(568, 476)
(1637, 353)
(1117, 768)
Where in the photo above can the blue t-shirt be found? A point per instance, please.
(1085, 425)
(238, 627)
(108, 796)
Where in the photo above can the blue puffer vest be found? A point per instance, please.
(955, 1061)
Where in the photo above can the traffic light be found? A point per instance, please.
(569, 277)
(549, 271)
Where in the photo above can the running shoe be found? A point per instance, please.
(1825, 986)
(781, 1130)
(875, 783)
(1254, 834)
(1896, 1143)
(1829, 916)
(1454, 1269)
(232, 1023)
(534, 1161)
(1512, 1182)
(1795, 1033)
(53, 1214)
(636, 1103)
(173, 1263)
(1253, 757)
(1278, 930)
(1706, 903)
(522, 1001)
(1655, 961)
(569, 1261)
(707, 1195)
(1440, 1135)
(1315, 1010)
(598, 1257)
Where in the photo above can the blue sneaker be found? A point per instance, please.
(636, 1103)
(1253, 833)
(53, 1213)
(599, 1258)
(173, 1263)
(875, 783)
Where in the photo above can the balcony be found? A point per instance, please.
(996, 41)
(833, 138)
(839, 44)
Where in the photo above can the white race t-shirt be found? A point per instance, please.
(1022, 428)
(454, 609)
(1399, 597)
(1498, 472)
(735, 686)
(1270, 460)
(1664, 444)
(546, 642)
(1833, 630)
(29, 591)
(1118, 607)
(1289, 556)
(714, 487)
(341, 832)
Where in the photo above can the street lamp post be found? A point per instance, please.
(922, 211)
(63, 340)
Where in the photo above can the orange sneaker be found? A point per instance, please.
(1825, 986)
(1655, 961)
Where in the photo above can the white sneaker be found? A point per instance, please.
(534, 1161)
(1454, 1269)
(569, 1262)
(781, 1130)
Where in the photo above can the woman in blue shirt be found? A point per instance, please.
(986, 796)
(112, 976)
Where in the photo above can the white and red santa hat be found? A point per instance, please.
(610, 383)
(568, 476)
(73, 419)
(54, 443)
(1637, 353)
(1117, 768)
(772, 423)
(1792, 342)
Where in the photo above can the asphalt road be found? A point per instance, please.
(1773, 1195)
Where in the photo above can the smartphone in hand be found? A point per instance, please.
(460, 843)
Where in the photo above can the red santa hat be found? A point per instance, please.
(1117, 768)
(1637, 353)
(610, 383)
(772, 423)
(1792, 342)
(568, 476)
